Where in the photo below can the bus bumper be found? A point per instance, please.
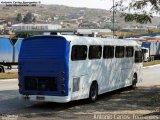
(41, 98)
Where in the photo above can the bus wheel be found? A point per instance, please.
(93, 94)
(134, 81)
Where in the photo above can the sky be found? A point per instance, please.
(101, 4)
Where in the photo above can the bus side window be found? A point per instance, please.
(129, 51)
(108, 52)
(119, 52)
(95, 52)
(138, 56)
(79, 52)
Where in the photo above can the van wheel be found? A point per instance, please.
(93, 94)
(134, 81)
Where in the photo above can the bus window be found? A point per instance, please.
(108, 52)
(138, 57)
(129, 51)
(95, 52)
(119, 52)
(79, 52)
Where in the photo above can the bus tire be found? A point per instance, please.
(1, 69)
(134, 81)
(93, 93)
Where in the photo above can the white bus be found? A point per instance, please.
(66, 68)
(145, 52)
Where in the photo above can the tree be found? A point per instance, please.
(34, 20)
(140, 11)
(28, 18)
(19, 17)
(110, 26)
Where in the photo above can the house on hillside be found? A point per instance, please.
(19, 27)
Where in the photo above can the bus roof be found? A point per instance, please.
(101, 41)
(90, 40)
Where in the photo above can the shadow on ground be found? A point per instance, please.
(126, 99)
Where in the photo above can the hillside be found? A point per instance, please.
(67, 15)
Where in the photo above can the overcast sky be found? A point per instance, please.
(102, 4)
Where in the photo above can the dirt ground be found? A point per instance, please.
(142, 103)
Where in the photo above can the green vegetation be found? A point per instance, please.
(121, 34)
(29, 18)
(19, 17)
(8, 75)
(140, 15)
(151, 63)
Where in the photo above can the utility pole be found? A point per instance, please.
(113, 19)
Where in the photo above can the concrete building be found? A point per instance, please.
(91, 32)
(18, 27)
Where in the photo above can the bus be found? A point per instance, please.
(145, 52)
(66, 68)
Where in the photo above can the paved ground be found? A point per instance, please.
(141, 103)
